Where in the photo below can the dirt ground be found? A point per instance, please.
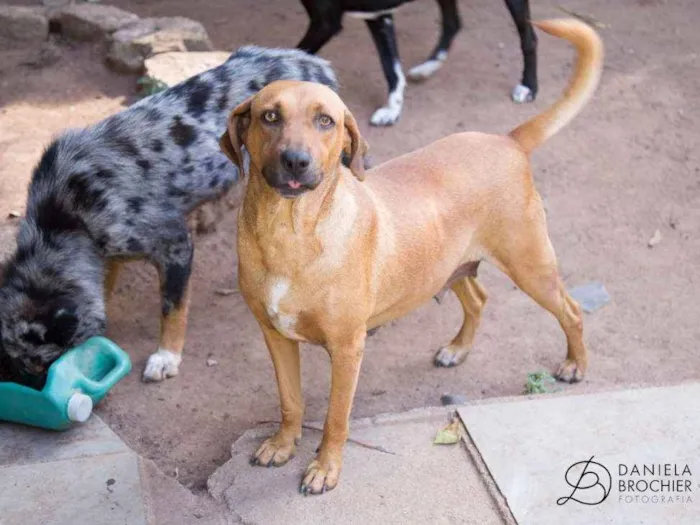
(626, 167)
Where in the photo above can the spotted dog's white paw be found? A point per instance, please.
(522, 94)
(385, 116)
(162, 364)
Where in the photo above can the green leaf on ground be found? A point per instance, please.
(539, 383)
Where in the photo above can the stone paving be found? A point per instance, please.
(512, 466)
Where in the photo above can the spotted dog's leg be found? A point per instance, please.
(111, 274)
(173, 259)
(112, 270)
(450, 27)
(382, 29)
(526, 91)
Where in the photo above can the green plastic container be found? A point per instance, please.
(76, 382)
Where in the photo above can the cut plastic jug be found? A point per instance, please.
(76, 382)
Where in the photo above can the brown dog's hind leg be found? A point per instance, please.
(281, 447)
(473, 297)
(532, 265)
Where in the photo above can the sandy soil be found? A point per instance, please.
(627, 166)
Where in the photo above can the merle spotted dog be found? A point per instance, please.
(121, 190)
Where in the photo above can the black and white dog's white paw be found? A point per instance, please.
(386, 115)
(389, 114)
(428, 68)
(522, 94)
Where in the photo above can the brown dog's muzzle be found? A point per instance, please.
(292, 173)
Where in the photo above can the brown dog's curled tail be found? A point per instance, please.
(589, 64)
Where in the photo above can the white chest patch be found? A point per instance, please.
(285, 323)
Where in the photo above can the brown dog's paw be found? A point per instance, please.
(274, 452)
(321, 475)
(570, 372)
(450, 356)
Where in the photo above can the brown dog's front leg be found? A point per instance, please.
(323, 472)
(281, 447)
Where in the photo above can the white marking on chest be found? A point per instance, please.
(278, 289)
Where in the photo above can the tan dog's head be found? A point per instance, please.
(295, 133)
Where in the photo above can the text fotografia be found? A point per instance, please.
(655, 483)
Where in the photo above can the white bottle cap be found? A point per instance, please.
(79, 407)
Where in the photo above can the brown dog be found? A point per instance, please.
(324, 257)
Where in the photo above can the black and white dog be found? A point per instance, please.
(121, 190)
(326, 21)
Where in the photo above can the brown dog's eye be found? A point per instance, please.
(270, 116)
(325, 121)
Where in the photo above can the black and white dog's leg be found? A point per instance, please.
(450, 27)
(382, 29)
(325, 22)
(173, 259)
(526, 91)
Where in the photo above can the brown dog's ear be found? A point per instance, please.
(231, 141)
(357, 145)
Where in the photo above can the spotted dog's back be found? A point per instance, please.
(121, 189)
(164, 149)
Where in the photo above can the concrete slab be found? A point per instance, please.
(529, 445)
(20, 445)
(99, 489)
(169, 503)
(421, 483)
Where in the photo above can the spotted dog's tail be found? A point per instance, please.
(589, 64)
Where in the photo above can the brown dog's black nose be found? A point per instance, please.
(295, 162)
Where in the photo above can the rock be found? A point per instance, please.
(655, 239)
(590, 296)
(92, 22)
(8, 242)
(131, 45)
(173, 68)
(24, 24)
(212, 362)
(56, 3)
(47, 55)
(453, 399)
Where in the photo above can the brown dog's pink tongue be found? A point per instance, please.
(294, 184)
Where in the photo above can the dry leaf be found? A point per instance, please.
(448, 435)
(656, 239)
